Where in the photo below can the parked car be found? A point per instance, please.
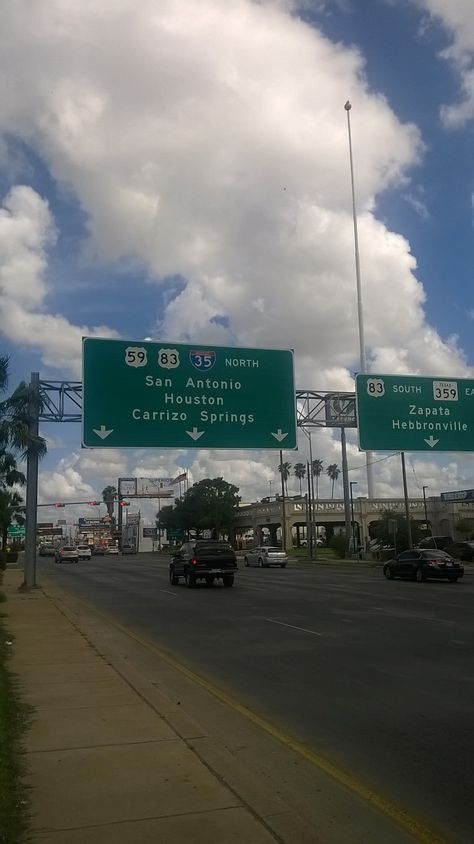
(424, 564)
(112, 549)
(66, 554)
(265, 556)
(461, 551)
(98, 550)
(47, 550)
(127, 548)
(203, 559)
(439, 542)
(304, 543)
(84, 552)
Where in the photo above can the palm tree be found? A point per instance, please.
(300, 472)
(333, 473)
(109, 494)
(11, 509)
(14, 425)
(284, 469)
(316, 469)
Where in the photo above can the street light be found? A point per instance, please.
(360, 312)
(352, 483)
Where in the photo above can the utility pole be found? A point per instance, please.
(407, 505)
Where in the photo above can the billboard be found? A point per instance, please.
(127, 486)
(146, 487)
(459, 495)
(151, 532)
(155, 487)
(133, 519)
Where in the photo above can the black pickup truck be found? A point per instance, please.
(204, 559)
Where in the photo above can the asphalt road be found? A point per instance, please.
(376, 675)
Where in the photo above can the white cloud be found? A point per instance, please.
(457, 17)
(27, 231)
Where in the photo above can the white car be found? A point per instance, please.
(265, 556)
(112, 549)
(66, 554)
(84, 552)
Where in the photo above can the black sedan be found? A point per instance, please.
(461, 550)
(424, 564)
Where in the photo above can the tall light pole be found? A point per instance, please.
(360, 311)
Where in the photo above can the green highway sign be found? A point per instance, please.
(169, 395)
(412, 413)
(16, 531)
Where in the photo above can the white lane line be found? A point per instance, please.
(165, 592)
(293, 626)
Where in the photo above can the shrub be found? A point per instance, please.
(338, 545)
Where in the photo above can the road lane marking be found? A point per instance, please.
(293, 626)
(167, 592)
(417, 828)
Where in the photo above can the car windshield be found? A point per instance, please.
(68, 548)
(433, 554)
(273, 550)
(83, 547)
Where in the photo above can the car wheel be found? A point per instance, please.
(190, 580)
(174, 580)
(246, 561)
(228, 580)
(209, 580)
(283, 566)
(419, 576)
(453, 579)
(388, 573)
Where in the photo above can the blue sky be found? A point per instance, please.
(153, 189)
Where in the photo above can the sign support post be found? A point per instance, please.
(29, 571)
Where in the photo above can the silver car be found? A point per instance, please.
(66, 554)
(265, 556)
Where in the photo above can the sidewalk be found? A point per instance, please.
(104, 766)
(127, 748)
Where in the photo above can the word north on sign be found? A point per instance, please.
(145, 395)
(415, 413)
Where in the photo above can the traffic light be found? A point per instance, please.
(59, 505)
(94, 503)
(125, 503)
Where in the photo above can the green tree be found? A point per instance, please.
(11, 510)
(382, 530)
(333, 473)
(299, 470)
(109, 495)
(316, 470)
(15, 439)
(209, 504)
(284, 470)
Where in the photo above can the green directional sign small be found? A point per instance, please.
(414, 413)
(16, 531)
(170, 395)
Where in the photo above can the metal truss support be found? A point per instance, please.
(60, 401)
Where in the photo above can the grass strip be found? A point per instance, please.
(14, 718)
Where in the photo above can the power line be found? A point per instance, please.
(380, 460)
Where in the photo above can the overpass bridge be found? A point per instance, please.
(264, 518)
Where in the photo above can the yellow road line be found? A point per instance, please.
(420, 832)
